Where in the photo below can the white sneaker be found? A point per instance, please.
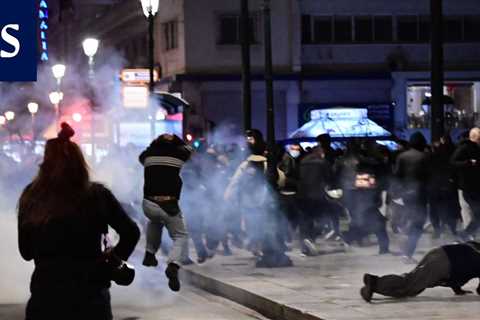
(311, 248)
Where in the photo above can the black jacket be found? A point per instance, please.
(468, 174)
(315, 176)
(412, 172)
(67, 249)
(464, 262)
(163, 161)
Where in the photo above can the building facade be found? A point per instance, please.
(327, 53)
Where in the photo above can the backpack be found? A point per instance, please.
(253, 188)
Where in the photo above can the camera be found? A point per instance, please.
(118, 270)
(123, 275)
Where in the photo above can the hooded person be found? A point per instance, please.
(466, 161)
(412, 173)
(256, 197)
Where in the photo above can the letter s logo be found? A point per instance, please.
(11, 40)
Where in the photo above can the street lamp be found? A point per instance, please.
(55, 97)
(150, 9)
(33, 109)
(90, 48)
(9, 115)
(58, 71)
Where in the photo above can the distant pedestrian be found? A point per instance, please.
(466, 160)
(162, 161)
(412, 172)
(447, 266)
(61, 218)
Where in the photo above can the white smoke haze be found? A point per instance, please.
(119, 170)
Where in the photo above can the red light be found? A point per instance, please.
(189, 137)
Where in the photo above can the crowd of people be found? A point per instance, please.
(343, 194)
(226, 195)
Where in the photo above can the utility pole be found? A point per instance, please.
(436, 107)
(246, 76)
(151, 66)
(272, 165)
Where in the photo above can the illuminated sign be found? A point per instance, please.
(43, 27)
(138, 75)
(135, 96)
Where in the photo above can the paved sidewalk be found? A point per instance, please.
(326, 287)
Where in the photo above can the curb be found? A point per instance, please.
(267, 307)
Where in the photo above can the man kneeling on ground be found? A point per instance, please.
(448, 266)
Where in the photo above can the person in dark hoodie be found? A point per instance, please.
(162, 161)
(412, 172)
(447, 266)
(466, 161)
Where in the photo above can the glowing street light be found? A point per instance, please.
(3, 120)
(77, 117)
(9, 115)
(55, 98)
(150, 7)
(90, 46)
(58, 71)
(32, 107)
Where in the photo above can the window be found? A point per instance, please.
(322, 29)
(458, 100)
(472, 28)
(383, 29)
(452, 28)
(343, 29)
(363, 29)
(407, 28)
(170, 35)
(306, 29)
(424, 29)
(230, 32)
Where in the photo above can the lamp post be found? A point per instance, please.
(271, 159)
(437, 68)
(150, 9)
(90, 48)
(33, 109)
(58, 71)
(9, 116)
(246, 76)
(3, 122)
(55, 98)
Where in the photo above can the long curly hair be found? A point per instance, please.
(61, 183)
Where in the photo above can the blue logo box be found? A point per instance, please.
(18, 41)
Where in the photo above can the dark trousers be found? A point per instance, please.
(473, 201)
(365, 219)
(431, 271)
(444, 210)
(416, 215)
